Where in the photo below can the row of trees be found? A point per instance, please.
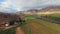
(19, 21)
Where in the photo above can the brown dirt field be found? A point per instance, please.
(19, 30)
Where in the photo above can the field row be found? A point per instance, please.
(36, 26)
(51, 16)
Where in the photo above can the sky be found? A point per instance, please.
(20, 5)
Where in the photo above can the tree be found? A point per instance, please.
(11, 22)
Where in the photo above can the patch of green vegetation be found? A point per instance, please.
(8, 31)
(55, 15)
(51, 25)
(28, 16)
(11, 22)
(55, 28)
(13, 30)
(51, 15)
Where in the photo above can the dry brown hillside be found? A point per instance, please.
(47, 10)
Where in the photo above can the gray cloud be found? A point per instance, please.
(29, 4)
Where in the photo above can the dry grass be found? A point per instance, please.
(35, 26)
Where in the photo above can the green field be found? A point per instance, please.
(8, 31)
(51, 15)
(28, 16)
(37, 26)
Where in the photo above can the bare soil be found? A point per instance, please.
(19, 30)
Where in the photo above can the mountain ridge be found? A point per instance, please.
(50, 9)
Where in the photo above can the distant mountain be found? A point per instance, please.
(50, 10)
(47, 10)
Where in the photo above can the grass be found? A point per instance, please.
(37, 26)
(51, 15)
(9, 31)
(51, 25)
(12, 30)
(28, 16)
(55, 15)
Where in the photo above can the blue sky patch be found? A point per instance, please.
(12, 6)
(2, 0)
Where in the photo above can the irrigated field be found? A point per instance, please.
(51, 15)
(55, 17)
(37, 26)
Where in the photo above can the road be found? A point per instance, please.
(19, 30)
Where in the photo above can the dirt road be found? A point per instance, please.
(19, 30)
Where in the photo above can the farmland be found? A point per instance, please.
(38, 26)
(35, 26)
(51, 15)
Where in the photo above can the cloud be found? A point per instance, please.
(7, 7)
(29, 4)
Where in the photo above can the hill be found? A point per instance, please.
(47, 10)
